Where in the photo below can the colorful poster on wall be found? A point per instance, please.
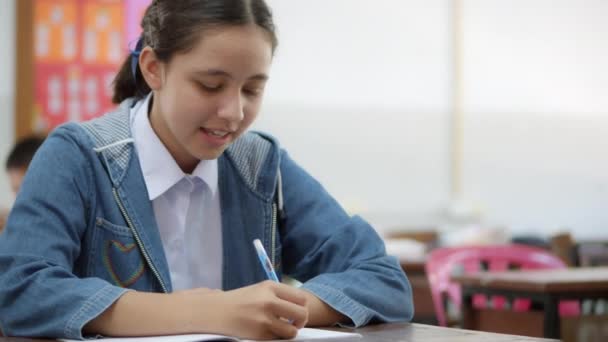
(135, 11)
(79, 46)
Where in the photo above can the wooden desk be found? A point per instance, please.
(424, 311)
(406, 332)
(547, 287)
(413, 265)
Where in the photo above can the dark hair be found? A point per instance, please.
(22, 153)
(172, 26)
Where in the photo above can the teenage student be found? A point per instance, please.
(142, 222)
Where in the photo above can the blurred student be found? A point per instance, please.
(3, 216)
(19, 160)
(16, 165)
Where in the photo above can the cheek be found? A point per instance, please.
(251, 112)
(192, 107)
(184, 123)
(187, 113)
(183, 98)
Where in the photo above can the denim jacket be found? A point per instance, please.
(82, 232)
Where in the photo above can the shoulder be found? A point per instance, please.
(256, 156)
(252, 148)
(97, 132)
(111, 127)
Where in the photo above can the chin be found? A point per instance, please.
(210, 154)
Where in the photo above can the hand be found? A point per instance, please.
(320, 314)
(260, 311)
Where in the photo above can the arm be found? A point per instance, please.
(320, 314)
(39, 293)
(340, 259)
(251, 312)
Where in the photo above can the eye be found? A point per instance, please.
(211, 88)
(253, 91)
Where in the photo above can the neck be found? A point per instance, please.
(184, 160)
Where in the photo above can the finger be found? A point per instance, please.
(283, 329)
(294, 314)
(291, 294)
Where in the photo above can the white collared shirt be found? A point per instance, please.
(186, 208)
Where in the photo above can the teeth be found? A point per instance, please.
(217, 133)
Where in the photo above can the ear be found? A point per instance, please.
(151, 68)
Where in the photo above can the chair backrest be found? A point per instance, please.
(442, 263)
(563, 246)
(592, 253)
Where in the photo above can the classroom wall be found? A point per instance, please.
(7, 80)
(359, 96)
(536, 114)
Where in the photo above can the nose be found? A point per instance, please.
(231, 108)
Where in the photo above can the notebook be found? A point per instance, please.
(303, 334)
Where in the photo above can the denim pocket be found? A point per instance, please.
(114, 228)
(116, 255)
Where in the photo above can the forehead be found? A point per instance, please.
(239, 49)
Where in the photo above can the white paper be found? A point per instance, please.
(303, 334)
(170, 338)
(311, 334)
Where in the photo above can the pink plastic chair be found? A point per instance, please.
(444, 262)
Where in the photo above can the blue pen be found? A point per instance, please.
(266, 264)
(263, 257)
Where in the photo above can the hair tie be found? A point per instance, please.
(135, 56)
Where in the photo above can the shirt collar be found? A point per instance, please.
(159, 169)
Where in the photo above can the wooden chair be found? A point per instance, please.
(562, 245)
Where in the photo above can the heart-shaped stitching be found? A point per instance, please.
(108, 263)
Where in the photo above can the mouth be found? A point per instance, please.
(215, 137)
(215, 133)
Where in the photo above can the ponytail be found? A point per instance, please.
(129, 81)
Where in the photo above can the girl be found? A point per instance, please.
(141, 222)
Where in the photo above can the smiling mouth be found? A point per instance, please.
(215, 133)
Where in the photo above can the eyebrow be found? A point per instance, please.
(218, 72)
